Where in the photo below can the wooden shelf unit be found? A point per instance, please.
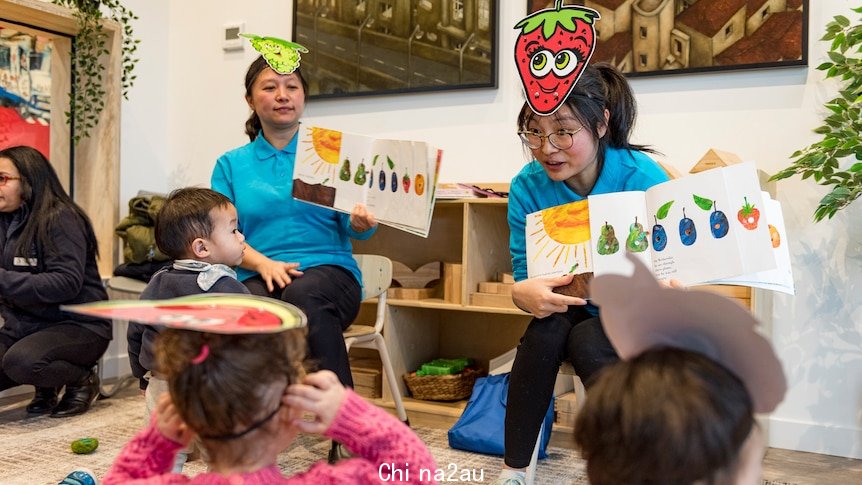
(475, 234)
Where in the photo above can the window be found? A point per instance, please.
(765, 13)
(677, 47)
(35, 61)
(643, 60)
(5, 57)
(484, 14)
(643, 31)
(728, 30)
(458, 10)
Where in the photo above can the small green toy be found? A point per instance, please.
(85, 445)
(439, 367)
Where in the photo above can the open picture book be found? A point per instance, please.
(395, 179)
(713, 227)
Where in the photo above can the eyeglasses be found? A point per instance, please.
(4, 179)
(560, 139)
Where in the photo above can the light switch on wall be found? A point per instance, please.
(232, 41)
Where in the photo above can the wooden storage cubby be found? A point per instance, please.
(475, 234)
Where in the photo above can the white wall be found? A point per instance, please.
(187, 109)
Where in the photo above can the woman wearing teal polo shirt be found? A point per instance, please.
(296, 252)
(583, 148)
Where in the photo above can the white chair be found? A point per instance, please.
(119, 288)
(376, 279)
(581, 394)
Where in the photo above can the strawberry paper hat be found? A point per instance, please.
(638, 314)
(552, 51)
(207, 312)
(281, 55)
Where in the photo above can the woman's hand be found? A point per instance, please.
(361, 219)
(536, 296)
(170, 424)
(677, 284)
(321, 395)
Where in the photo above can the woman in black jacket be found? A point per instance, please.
(48, 256)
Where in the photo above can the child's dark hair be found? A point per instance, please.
(667, 416)
(228, 387)
(601, 86)
(184, 217)
(46, 200)
(252, 124)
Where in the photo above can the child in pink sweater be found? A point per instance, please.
(246, 398)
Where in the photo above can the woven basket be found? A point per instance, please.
(442, 388)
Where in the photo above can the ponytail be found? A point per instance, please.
(252, 126)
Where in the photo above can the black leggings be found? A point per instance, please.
(575, 336)
(53, 357)
(330, 297)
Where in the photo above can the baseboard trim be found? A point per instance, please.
(815, 438)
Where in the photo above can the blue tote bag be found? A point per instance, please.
(480, 427)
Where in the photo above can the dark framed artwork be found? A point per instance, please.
(371, 47)
(657, 37)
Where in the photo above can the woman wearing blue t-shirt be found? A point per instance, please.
(583, 148)
(296, 252)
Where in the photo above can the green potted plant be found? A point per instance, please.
(829, 161)
(87, 97)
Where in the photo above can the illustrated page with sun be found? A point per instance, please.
(679, 229)
(393, 178)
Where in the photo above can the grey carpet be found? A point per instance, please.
(38, 448)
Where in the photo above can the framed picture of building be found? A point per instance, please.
(372, 47)
(655, 37)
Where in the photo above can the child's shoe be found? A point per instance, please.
(511, 477)
(81, 476)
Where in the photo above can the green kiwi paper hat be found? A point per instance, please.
(638, 315)
(282, 55)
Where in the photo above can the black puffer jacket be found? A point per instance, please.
(33, 289)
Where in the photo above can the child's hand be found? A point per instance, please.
(169, 422)
(319, 394)
(278, 273)
(361, 219)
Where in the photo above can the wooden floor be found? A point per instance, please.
(780, 466)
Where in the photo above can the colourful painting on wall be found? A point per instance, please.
(25, 90)
(655, 37)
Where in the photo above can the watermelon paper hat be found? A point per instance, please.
(639, 315)
(209, 312)
(552, 51)
(281, 55)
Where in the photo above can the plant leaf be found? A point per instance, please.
(663, 210)
(702, 202)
